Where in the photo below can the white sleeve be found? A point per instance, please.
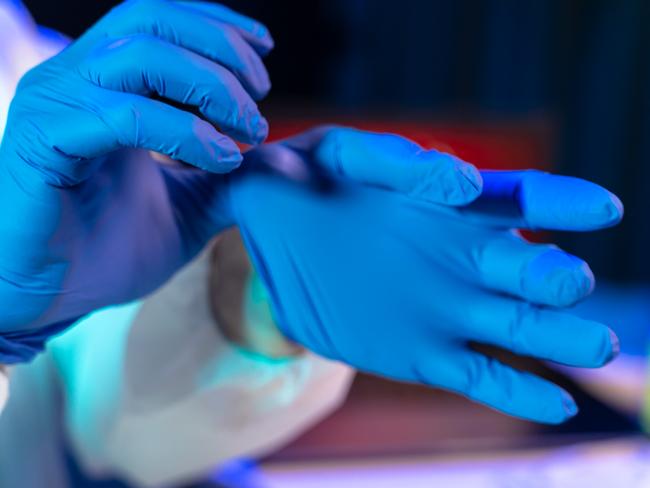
(21, 47)
(156, 395)
(4, 387)
(14, 28)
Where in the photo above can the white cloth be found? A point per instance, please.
(22, 46)
(18, 32)
(4, 387)
(151, 392)
(148, 391)
(169, 398)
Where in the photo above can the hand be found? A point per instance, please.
(86, 225)
(390, 282)
(95, 96)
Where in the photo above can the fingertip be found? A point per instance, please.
(261, 130)
(575, 285)
(256, 33)
(262, 90)
(461, 184)
(472, 181)
(612, 211)
(568, 203)
(615, 345)
(604, 349)
(558, 279)
(263, 38)
(559, 410)
(252, 128)
(226, 156)
(569, 405)
(601, 209)
(260, 83)
(544, 403)
(231, 163)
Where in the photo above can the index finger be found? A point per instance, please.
(396, 163)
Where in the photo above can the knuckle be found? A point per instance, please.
(146, 7)
(124, 112)
(132, 48)
(136, 44)
(472, 376)
(487, 255)
(107, 65)
(131, 14)
(428, 371)
(478, 260)
(28, 80)
(424, 171)
(124, 119)
(224, 95)
(330, 149)
(230, 34)
(193, 127)
(227, 79)
(132, 7)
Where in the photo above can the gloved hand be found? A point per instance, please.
(369, 270)
(91, 225)
(84, 225)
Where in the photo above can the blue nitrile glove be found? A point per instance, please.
(369, 270)
(84, 225)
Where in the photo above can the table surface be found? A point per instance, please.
(594, 464)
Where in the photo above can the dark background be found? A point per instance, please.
(581, 66)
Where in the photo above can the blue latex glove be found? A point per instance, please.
(85, 225)
(370, 271)
(91, 224)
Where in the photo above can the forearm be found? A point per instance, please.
(31, 438)
(240, 304)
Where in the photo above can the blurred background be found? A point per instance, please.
(574, 74)
(559, 85)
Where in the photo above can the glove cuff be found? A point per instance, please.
(22, 347)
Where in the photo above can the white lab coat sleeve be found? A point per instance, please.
(4, 387)
(156, 395)
(152, 391)
(22, 46)
(11, 27)
(31, 437)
